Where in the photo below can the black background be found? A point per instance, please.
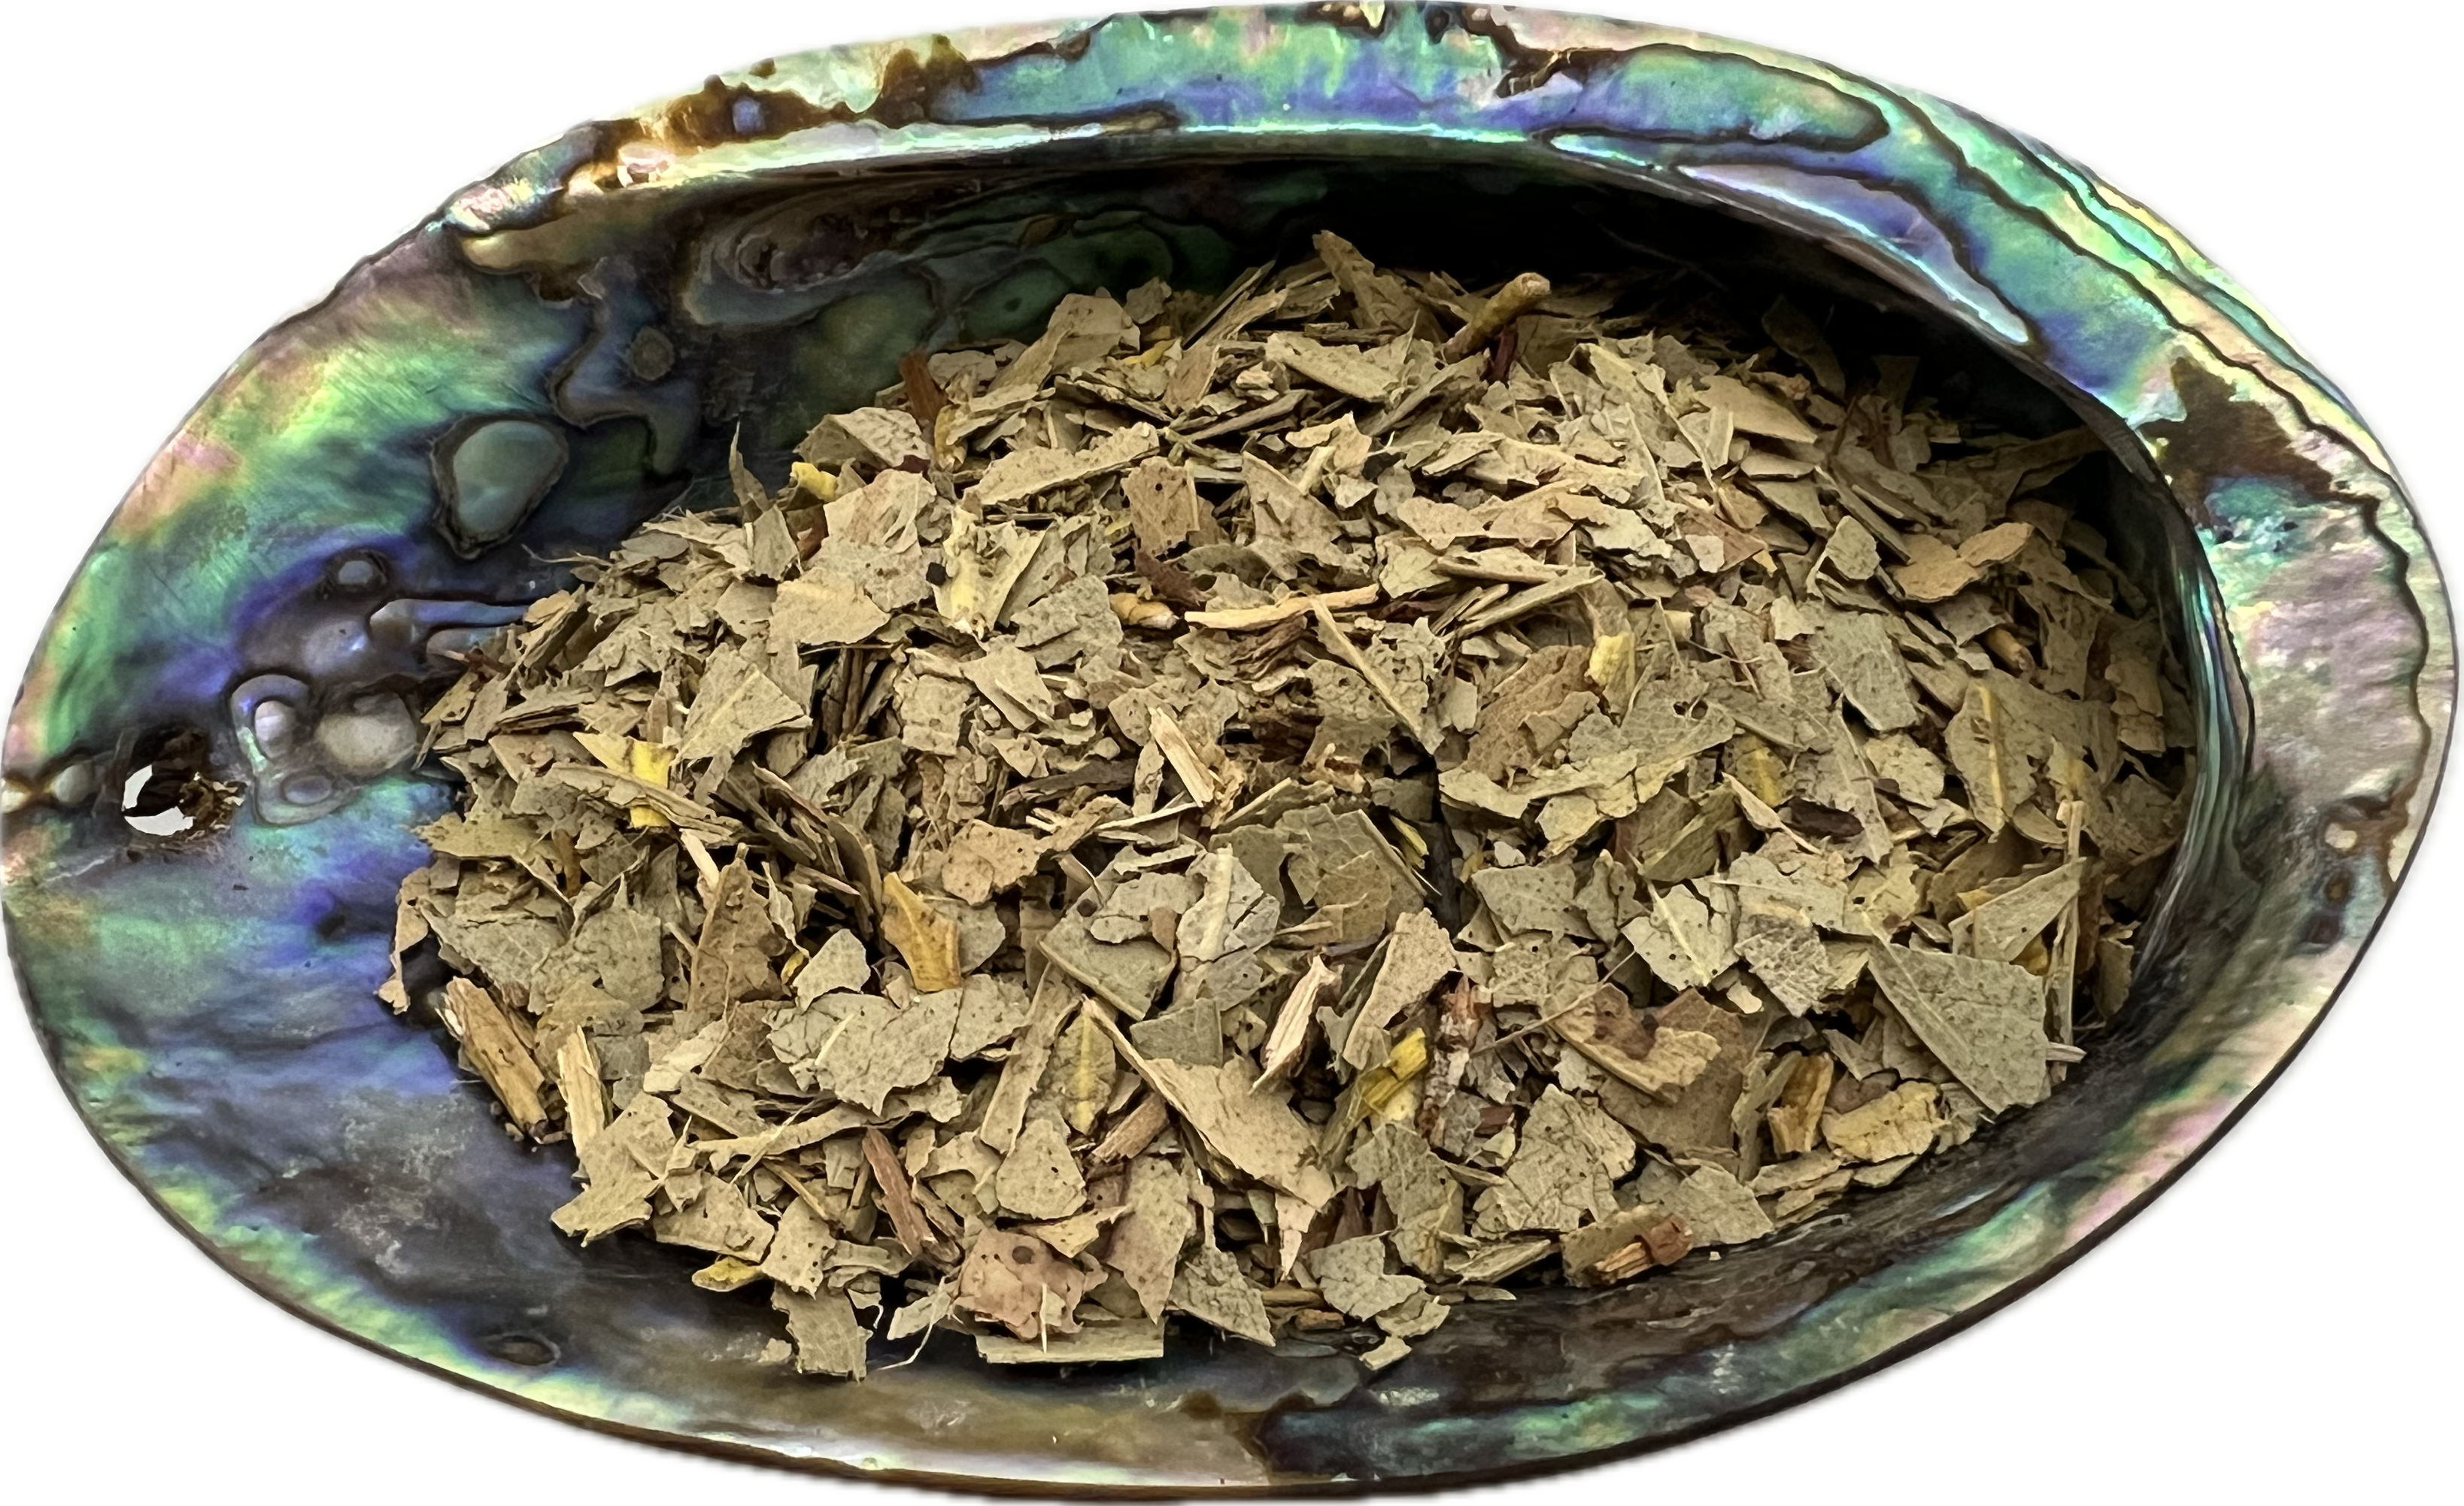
(181, 178)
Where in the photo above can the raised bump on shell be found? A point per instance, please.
(492, 475)
(373, 734)
(275, 723)
(74, 784)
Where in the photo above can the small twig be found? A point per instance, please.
(896, 1200)
(1511, 304)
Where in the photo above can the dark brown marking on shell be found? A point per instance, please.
(2220, 436)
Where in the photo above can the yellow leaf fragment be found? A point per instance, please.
(1901, 1123)
(813, 482)
(727, 1273)
(1381, 1088)
(1612, 672)
(648, 762)
(1136, 612)
(1084, 1066)
(925, 937)
(1794, 1118)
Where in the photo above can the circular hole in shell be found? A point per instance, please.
(169, 792)
(164, 820)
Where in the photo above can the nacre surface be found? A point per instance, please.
(563, 347)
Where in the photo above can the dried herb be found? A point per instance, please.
(1295, 810)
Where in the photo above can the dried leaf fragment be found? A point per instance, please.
(1018, 1281)
(1901, 1123)
(820, 610)
(1039, 1177)
(1083, 1066)
(1986, 1020)
(1146, 1245)
(925, 937)
(1210, 1287)
(828, 1338)
(1353, 1274)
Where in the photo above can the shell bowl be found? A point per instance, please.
(562, 349)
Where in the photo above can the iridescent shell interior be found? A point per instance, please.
(565, 347)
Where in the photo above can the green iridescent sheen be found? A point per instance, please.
(274, 466)
(765, 248)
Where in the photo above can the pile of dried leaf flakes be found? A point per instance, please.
(1301, 809)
